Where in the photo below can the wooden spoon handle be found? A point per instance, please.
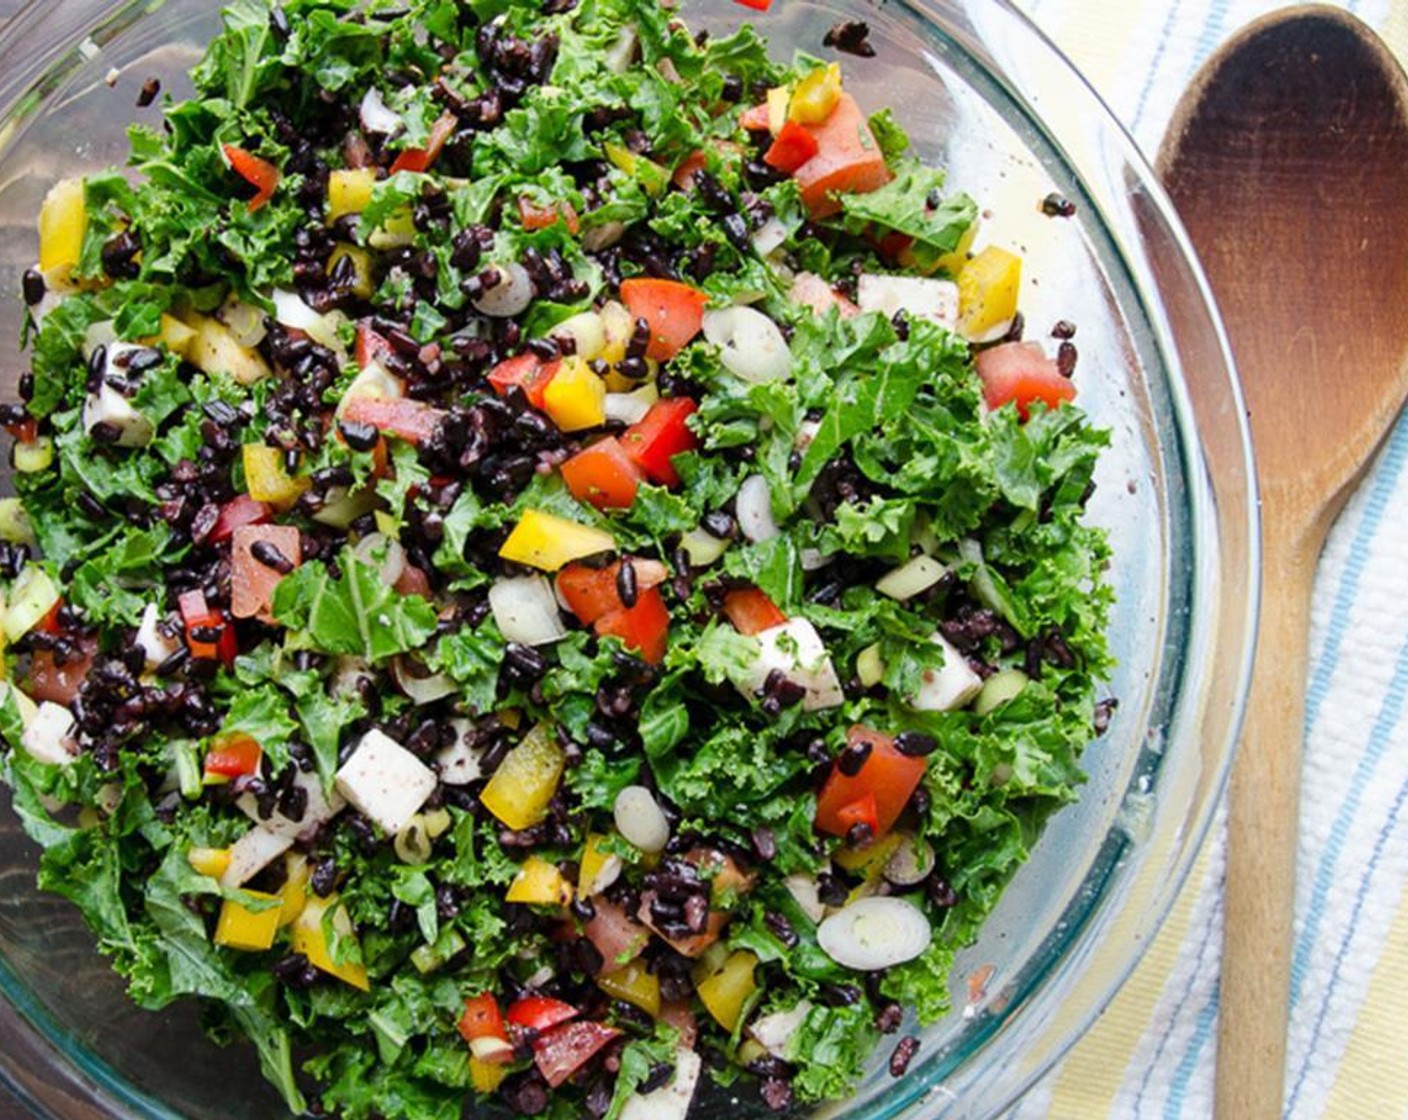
(1263, 814)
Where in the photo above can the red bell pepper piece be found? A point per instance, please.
(674, 311)
(482, 1019)
(197, 615)
(242, 510)
(234, 757)
(604, 475)
(539, 1013)
(659, 436)
(876, 794)
(420, 159)
(756, 5)
(411, 420)
(565, 1049)
(536, 217)
(527, 372)
(791, 148)
(258, 173)
(644, 627)
(49, 624)
(751, 611)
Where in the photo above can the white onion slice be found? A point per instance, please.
(629, 408)
(750, 344)
(383, 553)
(420, 686)
(911, 578)
(773, 1032)
(640, 819)
(672, 1100)
(525, 609)
(376, 117)
(770, 235)
(874, 933)
(753, 508)
(597, 238)
(702, 547)
(291, 311)
(510, 296)
(246, 323)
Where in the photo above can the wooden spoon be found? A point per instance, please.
(1287, 160)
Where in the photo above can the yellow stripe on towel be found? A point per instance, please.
(1370, 1079)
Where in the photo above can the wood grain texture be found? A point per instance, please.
(1287, 161)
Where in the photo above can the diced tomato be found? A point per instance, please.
(1022, 373)
(618, 937)
(674, 311)
(751, 611)
(370, 345)
(756, 5)
(411, 420)
(482, 1019)
(604, 475)
(197, 615)
(810, 290)
(234, 757)
(420, 159)
(540, 1013)
(526, 371)
(756, 119)
(49, 624)
(564, 1050)
(686, 169)
(676, 1013)
(534, 216)
(252, 582)
(591, 592)
(48, 680)
(26, 431)
(659, 436)
(242, 510)
(848, 159)
(791, 148)
(876, 794)
(258, 173)
(644, 627)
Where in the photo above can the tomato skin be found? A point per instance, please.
(411, 420)
(535, 217)
(540, 1013)
(848, 159)
(1021, 372)
(674, 311)
(591, 592)
(644, 627)
(420, 159)
(751, 611)
(370, 345)
(756, 5)
(251, 582)
(482, 1019)
(235, 757)
(562, 1051)
(525, 371)
(240, 511)
(604, 475)
(258, 173)
(791, 148)
(876, 795)
(659, 436)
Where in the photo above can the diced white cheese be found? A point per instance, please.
(920, 297)
(671, 1101)
(49, 735)
(320, 808)
(253, 852)
(794, 648)
(459, 762)
(156, 647)
(953, 686)
(385, 781)
(108, 406)
(774, 1032)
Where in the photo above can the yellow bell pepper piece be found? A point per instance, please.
(987, 292)
(306, 936)
(540, 883)
(215, 350)
(647, 172)
(816, 95)
(266, 479)
(952, 262)
(634, 984)
(725, 993)
(349, 191)
(519, 792)
(486, 1077)
(547, 542)
(294, 892)
(869, 861)
(398, 230)
(778, 97)
(209, 861)
(361, 268)
(617, 327)
(176, 336)
(63, 220)
(599, 866)
(242, 928)
(576, 397)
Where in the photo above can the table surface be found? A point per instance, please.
(1150, 1054)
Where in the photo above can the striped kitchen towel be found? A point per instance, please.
(1151, 1054)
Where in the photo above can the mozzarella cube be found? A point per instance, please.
(251, 853)
(671, 1101)
(386, 782)
(49, 735)
(795, 649)
(919, 297)
(108, 406)
(948, 688)
(318, 808)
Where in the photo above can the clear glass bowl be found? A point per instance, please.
(983, 93)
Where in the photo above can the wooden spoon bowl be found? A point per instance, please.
(1287, 161)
